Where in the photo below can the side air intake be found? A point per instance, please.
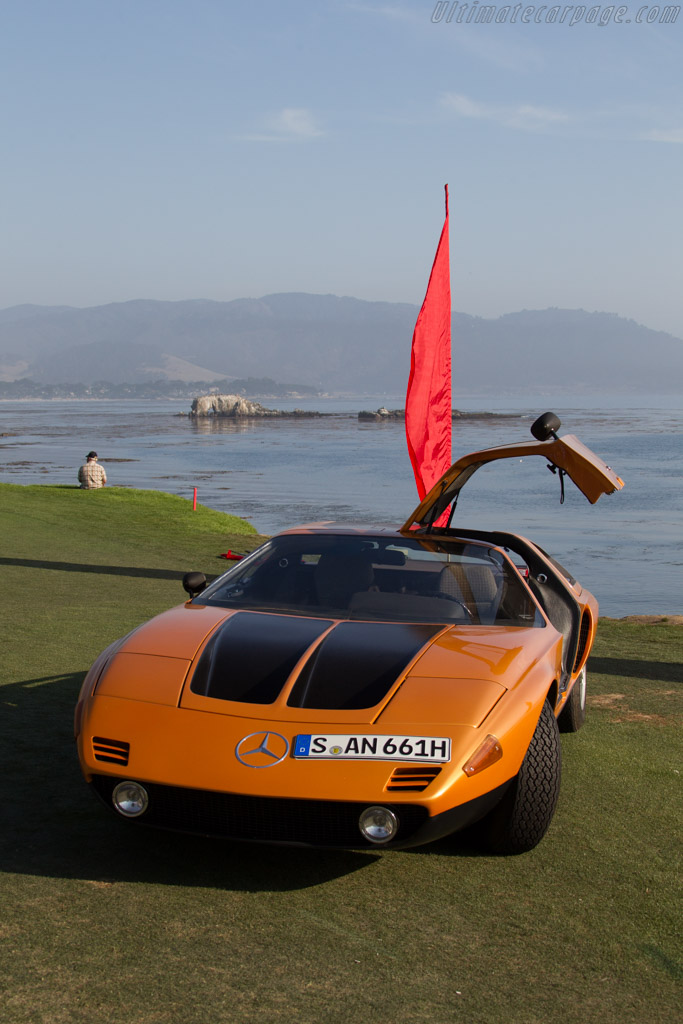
(584, 635)
(113, 751)
(412, 780)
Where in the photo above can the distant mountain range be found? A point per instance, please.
(329, 343)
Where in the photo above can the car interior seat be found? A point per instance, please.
(473, 585)
(338, 575)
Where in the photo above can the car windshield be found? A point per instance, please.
(390, 579)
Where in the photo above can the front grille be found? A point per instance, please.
(260, 819)
(413, 780)
(113, 751)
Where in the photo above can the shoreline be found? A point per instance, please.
(674, 619)
(286, 472)
(646, 620)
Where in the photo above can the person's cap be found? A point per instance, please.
(91, 455)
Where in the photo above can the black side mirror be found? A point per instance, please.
(194, 583)
(546, 426)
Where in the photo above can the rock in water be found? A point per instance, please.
(228, 405)
(237, 407)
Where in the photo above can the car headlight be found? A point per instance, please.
(130, 799)
(378, 824)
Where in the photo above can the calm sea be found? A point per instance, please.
(627, 549)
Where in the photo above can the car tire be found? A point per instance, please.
(521, 819)
(573, 714)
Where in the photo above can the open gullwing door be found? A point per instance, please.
(569, 455)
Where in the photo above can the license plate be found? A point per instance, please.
(374, 748)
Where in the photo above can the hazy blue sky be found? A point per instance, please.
(171, 149)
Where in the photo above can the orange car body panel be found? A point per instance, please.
(466, 683)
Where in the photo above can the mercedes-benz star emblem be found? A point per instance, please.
(261, 749)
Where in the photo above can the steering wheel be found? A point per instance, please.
(461, 604)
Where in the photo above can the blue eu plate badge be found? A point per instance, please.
(436, 749)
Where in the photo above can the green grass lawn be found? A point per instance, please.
(114, 925)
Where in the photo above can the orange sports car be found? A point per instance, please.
(356, 687)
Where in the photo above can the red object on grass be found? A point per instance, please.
(231, 556)
(194, 500)
(428, 401)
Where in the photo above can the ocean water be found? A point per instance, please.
(627, 549)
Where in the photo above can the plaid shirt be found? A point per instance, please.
(91, 475)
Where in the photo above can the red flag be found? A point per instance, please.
(428, 402)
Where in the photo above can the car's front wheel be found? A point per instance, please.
(522, 817)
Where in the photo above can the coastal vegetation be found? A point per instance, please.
(149, 389)
(101, 922)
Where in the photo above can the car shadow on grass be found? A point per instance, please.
(104, 570)
(53, 826)
(660, 671)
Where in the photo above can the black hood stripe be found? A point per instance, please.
(356, 664)
(251, 656)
